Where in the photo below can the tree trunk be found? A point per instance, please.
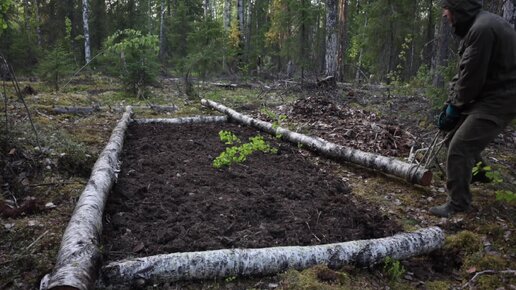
(429, 45)
(509, 12)
(38, 23)
(266, 261)
(79, 256)
(184, 120)
(441, 55)
(240, 15)
(26, 15)
(410, 172)
(206, 9)
(227, 15)
(331, 38)
(162, 32)
(343, 38)
(85, 19)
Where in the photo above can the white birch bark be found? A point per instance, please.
(509, 12)
(244, 262)
(410, 172)
(183, 120)
(79, 256)
(86, 27)
(331, 55)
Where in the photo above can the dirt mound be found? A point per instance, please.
(358, 129)
(169, 198)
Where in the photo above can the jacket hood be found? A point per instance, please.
(464, 13)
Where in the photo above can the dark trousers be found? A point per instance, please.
(464, 149)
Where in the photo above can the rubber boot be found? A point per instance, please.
(446, 210)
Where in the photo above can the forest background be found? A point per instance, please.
(397, 42)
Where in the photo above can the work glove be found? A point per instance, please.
(448, 118)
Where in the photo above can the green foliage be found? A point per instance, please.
(4, 8)
(56, 65)
(466, 242)
(506, 196)
(393, 268)
(206, 48)
(238, 154)
(134, 57)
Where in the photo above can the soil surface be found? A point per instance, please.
(169, 198)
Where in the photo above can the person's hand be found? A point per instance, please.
(448, 118)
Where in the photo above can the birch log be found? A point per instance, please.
(244, 262)
(184, 120)
(79, 256)
(411, 172)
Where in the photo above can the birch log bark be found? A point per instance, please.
(79, 256)
(410, 172)
(330, 59)
(86, 27)
(509, 12)
(245, 262)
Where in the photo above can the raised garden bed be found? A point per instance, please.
(168, 187)
(170, 200)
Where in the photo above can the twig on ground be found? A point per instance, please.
(471, 282)
(39, 238)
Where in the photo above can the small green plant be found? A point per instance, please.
(228, 137)
(493, 175)
(230, 279)
(238, 153)
(506, 195)
(393, 268)
(278, 120)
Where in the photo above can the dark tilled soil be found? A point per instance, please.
(169, 198)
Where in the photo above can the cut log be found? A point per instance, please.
(410, 172)
(184, 120)
(79, 256)
(245, 262)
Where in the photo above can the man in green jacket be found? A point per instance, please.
(482, 97)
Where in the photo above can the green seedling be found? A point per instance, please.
(238, 154)
(393, 268)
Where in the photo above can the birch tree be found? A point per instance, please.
(331, 38)
(85, 19)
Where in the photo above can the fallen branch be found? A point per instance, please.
(184, 120)
(411, 172)
(471, 282)
(79, 255)
(243, 262)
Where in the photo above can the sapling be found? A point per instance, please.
(238, 153)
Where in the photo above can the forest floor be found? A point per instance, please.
(42, 183)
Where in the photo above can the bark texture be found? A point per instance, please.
(509, 12)
(79, 256)
(331, 57)
(410, 172)
(243, 262)
(86, 27)
(184, 120)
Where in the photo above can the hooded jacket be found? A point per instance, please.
(486, 82)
